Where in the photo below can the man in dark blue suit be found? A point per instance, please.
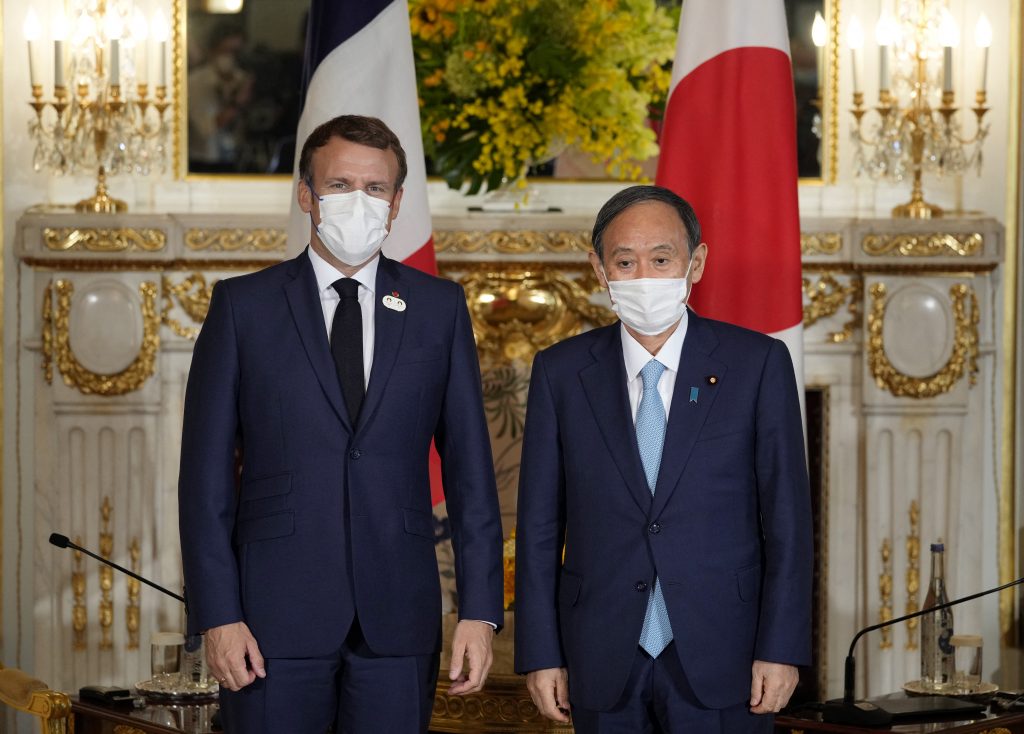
(314, 576)
(664, 456)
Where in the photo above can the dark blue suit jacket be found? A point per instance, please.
(728, 530)
(330, 519)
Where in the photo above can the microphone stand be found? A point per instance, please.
(62, 541)
(848, 710)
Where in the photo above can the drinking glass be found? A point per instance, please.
(967, 652)
(165, 662)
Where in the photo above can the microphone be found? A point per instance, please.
(62, 541)
(864, 713)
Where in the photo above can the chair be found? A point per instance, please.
(25, 693)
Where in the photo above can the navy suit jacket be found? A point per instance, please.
(728, 530)
(328, 519)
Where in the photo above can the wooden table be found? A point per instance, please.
(1006, 723)
(153, 719)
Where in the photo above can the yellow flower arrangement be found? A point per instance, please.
(504, 84)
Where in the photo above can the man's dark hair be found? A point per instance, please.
(367, 131)
(637, 195)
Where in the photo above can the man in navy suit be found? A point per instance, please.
(315, 577)
(664, 456)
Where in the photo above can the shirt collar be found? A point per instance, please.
(636, 356)
(327, 274)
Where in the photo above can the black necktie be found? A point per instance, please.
(347, 345)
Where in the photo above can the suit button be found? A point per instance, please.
(355, 453)
(654, 528)
(641, 586)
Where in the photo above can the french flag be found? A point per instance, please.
(359, 62)
(729, 148)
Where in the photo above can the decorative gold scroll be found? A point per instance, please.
(923, 245)
(69, 239)
(236, 240)
(512, 242)
(106, 578)
(885, 595)
(48, 334)
(517, 312)
(131, 618)
(963, 359)
(79, 612)
(193, 295)
(913, 572)
(825, 296)
(129, 379)
(821, 243)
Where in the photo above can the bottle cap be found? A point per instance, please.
(938, 547)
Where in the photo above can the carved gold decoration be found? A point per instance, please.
(997, 730)
(79, 612)
(913, 572)
(48, 334)
(68, 239)
(132, 612)
(193, 295)
(126, 729)
(236, 240)
(885, 594)
(821, 243)
(511, 242)
(508, 559)
(129, 379)
(964, 356)
(106, 577)
(517, 312)
(923, 245)
(24, 693)
(504, 706)
(825, 296)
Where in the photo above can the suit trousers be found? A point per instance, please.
(351, 692)
(658, 698)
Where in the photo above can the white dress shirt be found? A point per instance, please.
(326, 275)
(636, 356)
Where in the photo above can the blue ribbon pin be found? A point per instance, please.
(693, 395)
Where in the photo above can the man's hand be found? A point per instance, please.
(472, 642)
(549, 689)
(227, 647)
(771, 686)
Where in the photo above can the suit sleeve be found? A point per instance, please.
(784, 626)
(206, 480)
(467, 471)
(540, 531)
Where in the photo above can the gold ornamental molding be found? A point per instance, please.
(821, 243)
(825, 296)
(48, 334)
(923, 245)
(79, 612)
(885, 594)
(193, 296)
(71, 239)
(131, 617)
(517, 312)
(963, 359)
(512, 242)
(505, 706)
(913, 572)
(106, 577)
(129, 379)
(236, 240)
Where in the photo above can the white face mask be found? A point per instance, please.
(353, 225)
(649, 306)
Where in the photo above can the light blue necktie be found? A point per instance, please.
(650, 437)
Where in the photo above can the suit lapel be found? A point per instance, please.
(604, 382)
(304, 300)
(388, 327)
(686, 418)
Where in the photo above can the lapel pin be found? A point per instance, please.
(693, 395)
(393, 302)
(712, 379)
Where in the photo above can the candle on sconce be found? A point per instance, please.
(949, 38)
(32, 32)
(161, 33)
(140, 31)
(819, 35)
(855, 40)
(115, 28)
(983, 39)
(885, 34)
(60, 34)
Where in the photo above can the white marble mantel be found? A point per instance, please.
(890, 307)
